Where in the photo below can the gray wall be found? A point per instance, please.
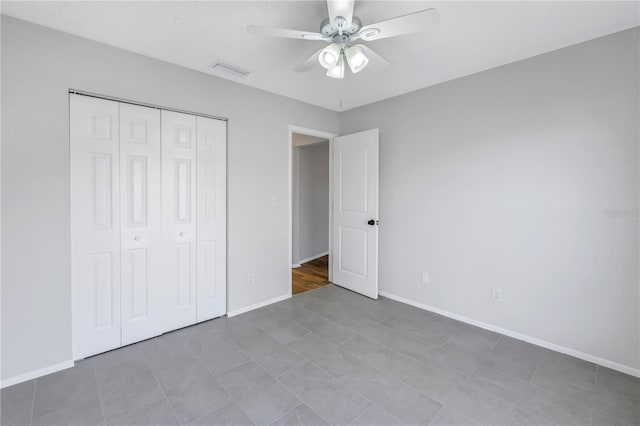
(39, 66)
(524, 177)
(310, 200)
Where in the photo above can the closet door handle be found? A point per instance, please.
(137, 238)
(182, 234)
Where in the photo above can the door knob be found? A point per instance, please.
(182, 234)
(137, 238)
(372, 222)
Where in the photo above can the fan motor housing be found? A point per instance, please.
(332, 31)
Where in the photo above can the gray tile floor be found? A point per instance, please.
(328, 356)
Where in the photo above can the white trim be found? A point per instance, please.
(309, 259)
(295, 265)
(311, 132)
(36, 373)
(258, 305)
(514, 334)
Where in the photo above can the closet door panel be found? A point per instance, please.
(179, 216)
(95, 225)
(142, 278)
(211, 218)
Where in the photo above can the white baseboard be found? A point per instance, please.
(295, 265)
(309, 259)
(36, 373)
(257, 305)
(533, 340)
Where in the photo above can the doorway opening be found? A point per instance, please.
(310, 209)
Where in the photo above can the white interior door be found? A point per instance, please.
(179, 216)
(95, 225)
(211, 218)
(142, 278)
(355, 212)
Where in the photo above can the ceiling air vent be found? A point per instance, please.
(230, 69)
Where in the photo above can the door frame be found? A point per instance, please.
(321, 134)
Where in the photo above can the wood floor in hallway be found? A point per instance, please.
(310, 275)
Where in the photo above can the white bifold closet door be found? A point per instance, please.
(95, 225)
(211, 218)
(194, 216)
(142, 298)
(148, 222)
(179, 215)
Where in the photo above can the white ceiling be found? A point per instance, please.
(470, 37)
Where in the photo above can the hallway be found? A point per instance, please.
(310, 275)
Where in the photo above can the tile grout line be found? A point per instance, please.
(541, 416)
(471, 375)
(95, 380)
(426, 325)
(455, 410)
(33, 401)
(339, 348)
(402, 382)
(437, 414)
(535, 371)
(215, 378)
(409, 372)
(393, 351)
(359, 416)
(565, 398)
(407, 355)
(332, 379)
(497, 341)
(441, 402)
(411, 356)
(269, 374)
(449, 337)
(299, 398)
(513, 417)
(264, 367)
(284, 386)
(486, 366)
(166, 398)
(294, 408)
(331, 375)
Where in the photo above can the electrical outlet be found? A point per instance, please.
(496, 295)
(424, 277)
(249, 279)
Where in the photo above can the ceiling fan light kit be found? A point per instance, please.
(356, 58)
(338, 70)
(330, 55)
(341, 29)
(334, 55)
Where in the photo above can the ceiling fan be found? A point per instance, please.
(341, 29)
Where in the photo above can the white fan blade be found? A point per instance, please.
(342, 8)
(284, 32)
(375, 59)
(309, 63)
(407, 24)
